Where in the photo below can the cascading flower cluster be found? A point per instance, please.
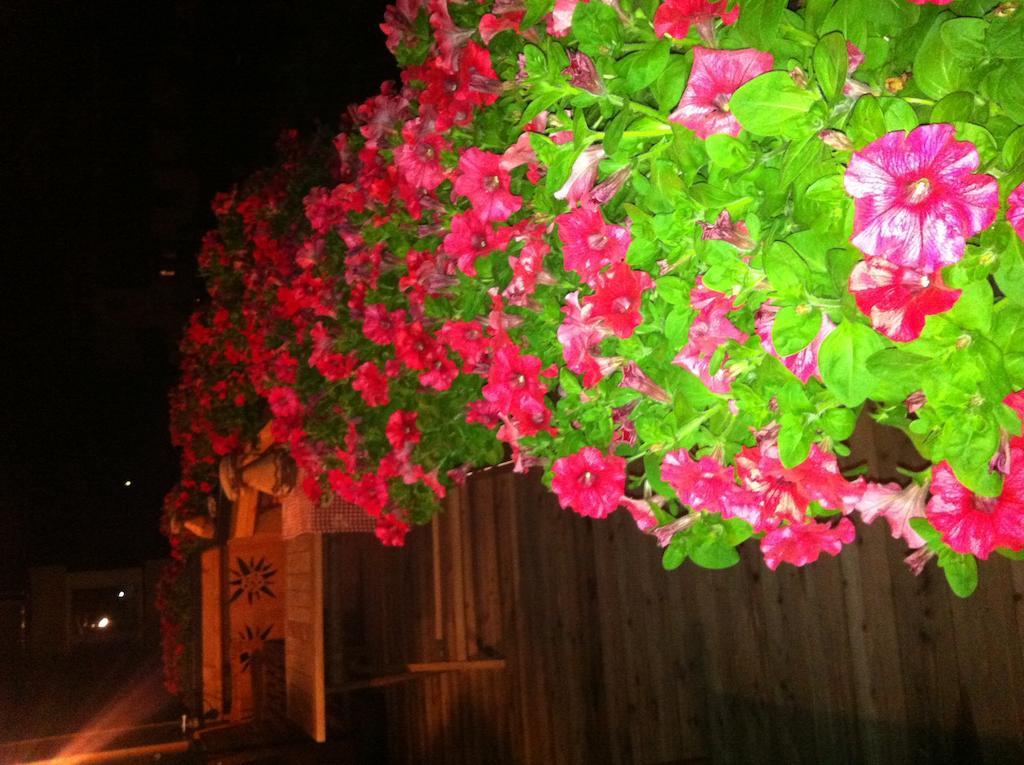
(666, 251)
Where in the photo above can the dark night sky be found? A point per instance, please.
(120, 121)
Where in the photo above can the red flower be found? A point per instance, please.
(617, 297)
(978, 525)
(467, 339)
(581, 176)
(372, 384)
(898, 299)
(788, 492)
(589, 482)
(706, 484)
(482, 179)
(897, 505)
(917, 199)
(391, 531)
(401, 429)
(379, 325)
(802, 543)
(716, 75)
(419, 157)
(471, 238)
(674, 17)
(589, 243)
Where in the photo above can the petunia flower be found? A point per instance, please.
(674, 17)
(708, 330)
(589, 482)
(803, 363)
(470, 238)
(788, 492)
(481, 178)
(896, 299)
(1015, 210)
(372, 384)
(917, 199)
(802, 543)
(716, 75)
(589, 243)
(579, 333)
(978, 525)
(583, 74)
(617, 296)
(707, 484)
(897, 505)
(724, 229)
(582, 176)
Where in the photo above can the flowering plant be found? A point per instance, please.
(668, 251)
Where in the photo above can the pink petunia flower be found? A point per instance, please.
(616, 299)
(470, 238)
(724, 229)
(803, 363)
(419, 158)
(674, 17)
(589, 243)
(707, 484)
(978, 525)
(589, 482)
(582, 176)
(583, 74)
(1015, 210)
(716, 75)
(788, 492)
(482, 179)
(802, 543)
(917, 199)
(896, 299)
(372, 384)
(897, 505)
(709, 329)
(579, 333)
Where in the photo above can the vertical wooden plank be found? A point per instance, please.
(212, 630)
(304, 635)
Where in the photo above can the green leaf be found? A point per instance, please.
(956, 107)
(613, 133)
(772, 104)
(1013, 149)
(759, 22)
(961, 572)
(794, 328)
(643, 68)
(786, 270)
(667, 89)
(597, 28)
(673, 556)
(866, 123)
(830, 60)
(535, 10)
(949, 55)
(794, 441)
(728, 153)
(1005, 37)
(1007, 86)
(843, 361)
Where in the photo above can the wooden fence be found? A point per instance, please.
(610, 659)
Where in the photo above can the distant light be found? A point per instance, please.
(166, 272)
(120, 593)
(103, 623)
(127, 483)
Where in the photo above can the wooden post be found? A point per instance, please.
(212, 627)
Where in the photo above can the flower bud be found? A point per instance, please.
(836, 139)
(583, 74)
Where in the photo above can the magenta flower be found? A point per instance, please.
(716, 75)
(896, 299)
(1015, 210)
(803, 363)
(579, 333)
(707, 484)
(802, 543)
(709, 329)
(482, 179)
(589, 243)
(419, 157)
(634, 378)
(917, 199)
(372, 384)
(589, 482)
(674, 17)
(788, 492)
(897, 505)
(724, 229)
(583, 74)
(617, 296)
(978, 525)
(582, 176)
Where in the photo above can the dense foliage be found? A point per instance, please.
(667, 251)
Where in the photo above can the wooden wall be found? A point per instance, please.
(613, 660)
(304, 630)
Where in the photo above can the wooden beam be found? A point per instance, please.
(418, 671)
(243, 516)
